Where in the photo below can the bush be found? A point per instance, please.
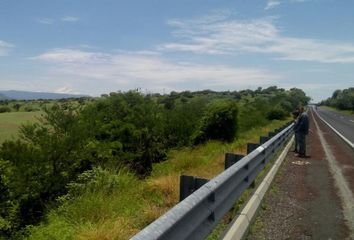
(30, 109)
(4, 109)
(251, 116)
(182, 121)
(277, 113)
(130, 129)
(219, 122)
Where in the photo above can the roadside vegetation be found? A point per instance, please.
(342, 100)
(106, 168)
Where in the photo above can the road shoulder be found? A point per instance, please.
(303, 202)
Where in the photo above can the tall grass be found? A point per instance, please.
(115, 204)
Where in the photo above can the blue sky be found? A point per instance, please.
(94, 47)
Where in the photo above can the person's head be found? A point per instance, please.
(301, 109)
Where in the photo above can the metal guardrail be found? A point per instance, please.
(197, 215)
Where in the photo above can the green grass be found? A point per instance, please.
(131, 204)
(10, 123)
(346, 112)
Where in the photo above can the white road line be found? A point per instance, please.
(338, 133)
(340, 181)
(351, 121)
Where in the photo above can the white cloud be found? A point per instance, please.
(5, 47)
(147, 71)
(230, 36)
(273, 3)
(70, 56)
(47, 21)
(70, 19)
(65, 89)
(50, 21)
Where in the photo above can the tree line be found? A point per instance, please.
(341, 99)
(13, 105)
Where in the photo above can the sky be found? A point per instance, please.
(101, 46)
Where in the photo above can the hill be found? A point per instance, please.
(25, 95)
(3, 97)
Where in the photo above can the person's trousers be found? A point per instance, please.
(296, 142)
(302, 143)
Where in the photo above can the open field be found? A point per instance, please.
(10, 123)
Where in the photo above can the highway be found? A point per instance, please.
(344, 124)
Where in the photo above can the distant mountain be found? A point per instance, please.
(24, 95)
(3, 97)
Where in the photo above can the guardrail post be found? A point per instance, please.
(263, 139)
(231, 159)
(251, 147)
(189, 184)
(271, 134)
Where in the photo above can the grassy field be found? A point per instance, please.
(10, 123)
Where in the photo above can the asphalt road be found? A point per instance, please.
(341, 122)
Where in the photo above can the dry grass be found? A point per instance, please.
(165, 188)
(119, 229)
(166, 185)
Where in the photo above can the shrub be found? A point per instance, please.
(4, 109)
(30, 109)
(277, 113)
(250, 116)
(130, 125)
(182, 121)
(219, 122)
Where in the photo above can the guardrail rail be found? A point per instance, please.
(197, 215)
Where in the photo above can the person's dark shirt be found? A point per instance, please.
(302, 125)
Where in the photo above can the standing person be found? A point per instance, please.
(296, 121)
(302, 130)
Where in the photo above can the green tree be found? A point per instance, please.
(219, 122)
(40, 163)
